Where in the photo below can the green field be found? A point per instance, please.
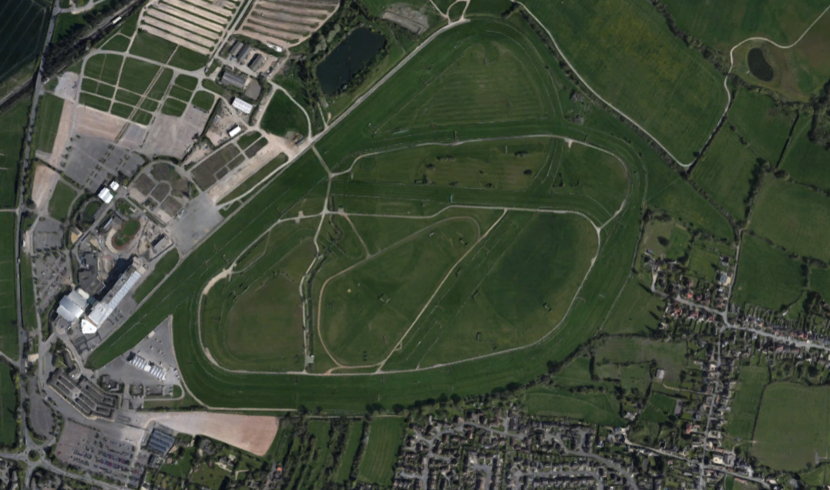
(593, 408)
(798, 73)
(203, 100)
(282, 115)
(767, 276)
(48, 119)
(12, 122)
(24, 26)
(668, 356)
(352, 444)
(792, 428)
(722, 24)
(625, 52)
(8, 406)
(762, 122)
(531, 101)
(725, 172)
(381, 452)
(152, 47)
(61, 202)
(8, 298)
(636, 312)
(744, 408)
(254, 319)
(794, 217)
(805, 161)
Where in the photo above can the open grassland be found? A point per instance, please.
(367, 309)
(12, 123)
(442, 96)
(8, 298)
(726, 170)
(514, 288)
(669, 356)
(764, 124)
(752, 380)
(48, 119)
(253, 320)
(8, 406)
(352, 443)
(723, 24)
(283, 115)
(593, 408)
(61, 202)
(23, 25)
(793, 216)
(805, 161)
(300, 187)
(378, 459)
(767, 276)
(820, 282)
(798, 73)
(637, 311)
(528, 173)
(627, 54)
(793, 428)
(670, 193)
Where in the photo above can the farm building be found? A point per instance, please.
(233, 80)
(243, 106)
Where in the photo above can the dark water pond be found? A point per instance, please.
(349, 59)
(758, 65)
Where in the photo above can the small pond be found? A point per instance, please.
(348, 59)
(758, 65)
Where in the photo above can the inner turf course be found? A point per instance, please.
(304, 182)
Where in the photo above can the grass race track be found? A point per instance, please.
(558, 306)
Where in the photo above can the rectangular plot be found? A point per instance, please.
(160, 86)
(142, 117)
(94, 66)
(204, 173)
(180, 93)
(48, 120)
(186, 81)
(126, 97)
(173, 107)
(152, 47)
(178, 38)
(121, 110)
(111, 68)
(94, 101)
(137, 75)
(149, 105)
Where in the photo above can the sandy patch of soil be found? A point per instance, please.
(252, 433)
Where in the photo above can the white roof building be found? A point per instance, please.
(87, 327)
(72, 306)
(105, 195)
(235, 130)
(101, 311)
(242, 106)
(114, 186)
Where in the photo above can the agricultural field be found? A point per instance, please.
(794, 217)
(23, 27)
(12, 122)
(8, 406)
(752, 380)
(724, 24)
(726, 170)
(635, 312)
(767, 276)
(668, 89)
(803, 411)
(8, 299)
(385, 437)
(805, 161)
(592, 408)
